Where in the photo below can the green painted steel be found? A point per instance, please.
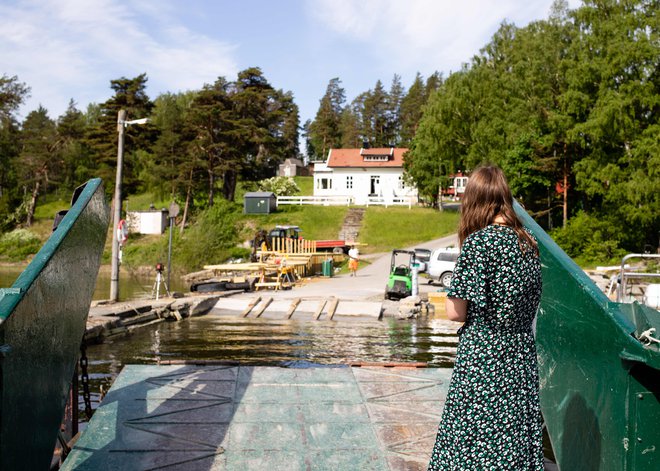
(42, 321)
(600, 386)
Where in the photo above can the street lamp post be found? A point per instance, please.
(114, 274)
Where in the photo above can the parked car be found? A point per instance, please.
(441, 265)
(422, 257)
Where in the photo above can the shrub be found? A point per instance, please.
(213, 238)
(590, 239)
(18, 244)
(281, 186)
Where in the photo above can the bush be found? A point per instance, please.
(590, 239)
(19, 244)
(213, 238)
(281, 186)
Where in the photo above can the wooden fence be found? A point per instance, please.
(286, 245)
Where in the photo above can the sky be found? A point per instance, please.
(72, 49)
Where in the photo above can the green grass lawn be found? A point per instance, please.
(142, 202)
(306, 185)
(316, 222)
(384, 229)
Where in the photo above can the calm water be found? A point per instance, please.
(131, 284)
(288, 343)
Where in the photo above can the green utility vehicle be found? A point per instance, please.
(399, 284)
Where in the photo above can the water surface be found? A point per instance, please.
(132, 285)
(274, 342)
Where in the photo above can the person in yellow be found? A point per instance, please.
(354, 257)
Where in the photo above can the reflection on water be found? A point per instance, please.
(288, 343)
(131, 284)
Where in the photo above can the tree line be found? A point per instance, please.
(569, 107)
(195, 144)
(375, 118)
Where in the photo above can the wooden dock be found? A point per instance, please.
(107, 320)
(299, 308)
(191, 417)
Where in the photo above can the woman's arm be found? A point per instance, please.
(456, 309)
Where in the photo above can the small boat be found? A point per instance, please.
(42, 322)
(599, 364)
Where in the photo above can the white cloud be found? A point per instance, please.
(426, 34)
(68, 49)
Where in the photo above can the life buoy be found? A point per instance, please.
(122, 232)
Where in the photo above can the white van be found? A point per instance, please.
(441, 265)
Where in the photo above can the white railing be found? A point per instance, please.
(315, 200)
(392, 201)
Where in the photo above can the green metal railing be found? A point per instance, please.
(600, 383)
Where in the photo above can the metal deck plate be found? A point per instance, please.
(244, 418)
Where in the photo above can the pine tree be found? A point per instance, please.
(324, 131)
(394, 99)
(12, 95)
(76, 157)
(101, 138)
(38, 159)
(412, 105)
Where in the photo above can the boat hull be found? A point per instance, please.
(42, 322)
(600, 385)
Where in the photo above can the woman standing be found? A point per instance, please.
(353, 260)
(492, 417)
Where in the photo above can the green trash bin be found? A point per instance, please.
(326, 267)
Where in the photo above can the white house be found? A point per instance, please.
(363, 173)
(456, 190)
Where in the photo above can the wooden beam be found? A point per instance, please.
(250, 307)
(263, 307)
(292, 308)
(319, 309)
(332, 308)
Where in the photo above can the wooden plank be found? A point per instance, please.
(250, 307)
(268, 284)
(332, 308)
(319, 310)
(263, 307)
(292, 308)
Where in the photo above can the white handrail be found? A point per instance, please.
(392, 201)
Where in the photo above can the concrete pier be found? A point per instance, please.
(215, 417)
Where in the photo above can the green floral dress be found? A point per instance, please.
(492, 417)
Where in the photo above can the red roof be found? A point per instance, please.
(356, 157)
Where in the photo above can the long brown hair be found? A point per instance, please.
(486, 196)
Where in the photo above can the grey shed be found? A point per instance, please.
(259, 202)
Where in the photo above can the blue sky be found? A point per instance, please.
(67, 49)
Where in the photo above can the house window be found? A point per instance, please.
(349, 182)
(376, 158)
(401, 185)
(324, 184)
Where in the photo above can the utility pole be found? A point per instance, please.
(114, 275)
(173, 213)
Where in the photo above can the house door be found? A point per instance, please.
(374, 190)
